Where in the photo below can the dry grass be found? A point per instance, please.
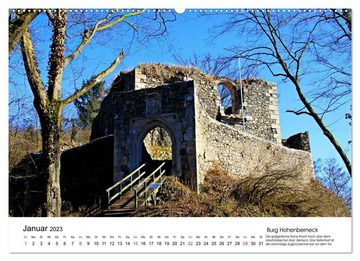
(24, 142)
(21, 144)
(267, 196)
(82, 137)
(162, 71)
(160, 152)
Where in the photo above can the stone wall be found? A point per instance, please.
(239, 153)
(261, 109)
(244, 154)
(103, 123)
(148, 76)
(260, 98)
(137, 112)
(86, 172)
(299, 141)
(154, 75)
(260, 106)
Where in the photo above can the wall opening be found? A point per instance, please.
(225, 98)
(157, 148)
(229, 98)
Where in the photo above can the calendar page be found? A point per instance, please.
(138, 128)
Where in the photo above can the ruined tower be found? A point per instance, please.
(243, 139)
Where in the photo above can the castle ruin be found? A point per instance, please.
(244, 139)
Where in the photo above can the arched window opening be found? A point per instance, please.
(229, 98)
(225, 98)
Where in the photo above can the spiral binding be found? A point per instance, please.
(235, 10)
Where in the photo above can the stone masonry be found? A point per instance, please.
(184, 101)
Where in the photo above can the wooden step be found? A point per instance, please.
(125, 205)
(123, 212)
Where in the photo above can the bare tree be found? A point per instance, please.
(332, 176)
(48, 100)
(299, 45)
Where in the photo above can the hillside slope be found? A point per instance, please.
(267, 196)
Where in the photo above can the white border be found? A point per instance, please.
(169, 4)
(182, 4)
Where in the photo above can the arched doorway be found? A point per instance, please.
(154, 144)
(157, 148)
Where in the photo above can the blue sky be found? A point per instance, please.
(187, 36)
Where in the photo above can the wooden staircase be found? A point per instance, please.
(135, 190)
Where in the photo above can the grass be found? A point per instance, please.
(276, 194)
(160, 152)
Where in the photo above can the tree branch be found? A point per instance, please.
(32, 71)
(321, 124)
(118, 20)
(89, 33)
(295, 80)
(99, 77)
(18, 26)
(347, 19)
(50, 15)
(299, 112)
(131, 25)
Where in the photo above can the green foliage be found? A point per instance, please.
(88, 105)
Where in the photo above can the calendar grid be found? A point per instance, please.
(182, 236)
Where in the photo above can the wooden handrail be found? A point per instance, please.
(151, 174)
(122, 189)
(121, 182)
(137, 195)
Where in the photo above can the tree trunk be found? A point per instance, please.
(47, 101)
(51, 127)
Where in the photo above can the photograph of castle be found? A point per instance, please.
(152, 113)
